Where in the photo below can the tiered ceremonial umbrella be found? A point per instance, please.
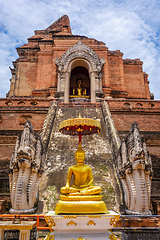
(80, 126)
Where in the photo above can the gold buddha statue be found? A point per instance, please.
(79, 89)
(82, 197)
(83, 178)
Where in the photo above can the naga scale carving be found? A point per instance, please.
(135, 171)
(26, 168)
(47, 125)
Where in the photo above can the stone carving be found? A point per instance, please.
(48, 123)
(79, 50)
(135, 170)
(26, 168)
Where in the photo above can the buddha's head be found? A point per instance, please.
(80, 155)
(79, 82)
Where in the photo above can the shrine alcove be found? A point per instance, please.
(79, 84)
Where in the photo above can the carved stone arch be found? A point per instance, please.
(79, 52)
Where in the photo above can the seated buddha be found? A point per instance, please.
(82, 197)
(83, 178)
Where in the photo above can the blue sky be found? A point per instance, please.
(133, 27)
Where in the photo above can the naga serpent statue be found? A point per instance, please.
(135, 171)
(26, 168)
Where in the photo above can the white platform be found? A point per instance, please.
(100, 236)
(81, 227)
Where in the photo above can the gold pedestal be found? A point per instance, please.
(80, 205)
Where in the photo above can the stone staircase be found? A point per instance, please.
(100, 151)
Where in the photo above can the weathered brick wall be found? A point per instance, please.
(15, 111)
(145, 113)
(115, 71)
(4, 171)
(134, 79)
(35, 69)
(26, 75)
(44, 76)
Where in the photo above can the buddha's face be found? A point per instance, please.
(80, 156)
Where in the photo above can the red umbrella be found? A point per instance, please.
(79, 126)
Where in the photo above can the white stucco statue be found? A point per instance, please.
(135, 171)
(26, 168)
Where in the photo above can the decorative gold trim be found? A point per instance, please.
(25, 225)
(81, 198)
(114, 220)
(49, 237)
(78, 96)
(71, 223)
(80, 239)
(91, 223)
(112, 236)
(50, 222)
(70, 216)
(94, 216)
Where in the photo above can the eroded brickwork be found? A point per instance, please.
(35, 72)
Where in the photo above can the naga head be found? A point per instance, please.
(25, 156)
(137, 155)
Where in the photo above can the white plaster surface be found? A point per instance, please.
(81, 226)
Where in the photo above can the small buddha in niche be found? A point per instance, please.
(79, 89)
(83, 178)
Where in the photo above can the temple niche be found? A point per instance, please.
(79, 84)
(80, 74)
